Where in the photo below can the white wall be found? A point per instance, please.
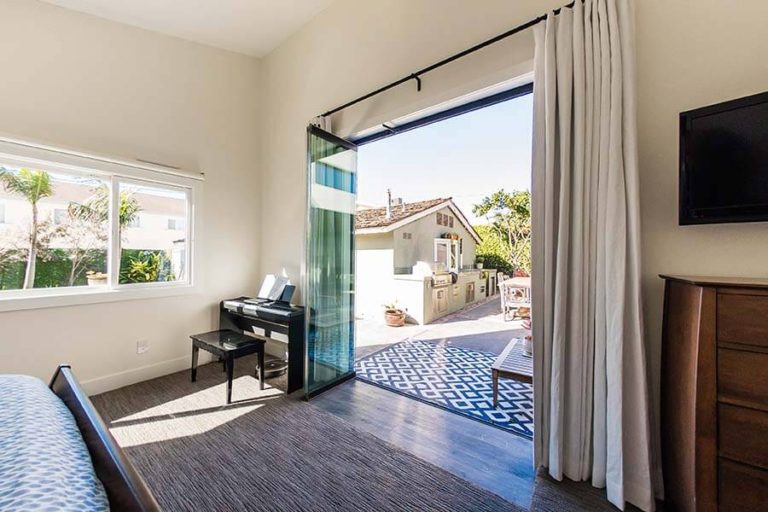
(351, 48)
(692, 54)
(689, 54)
(421, 245)
(78, 81)
(374, 266)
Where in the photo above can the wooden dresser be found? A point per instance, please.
(714, 394)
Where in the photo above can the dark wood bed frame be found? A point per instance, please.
(125, 488)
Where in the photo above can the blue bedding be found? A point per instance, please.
(44, 463)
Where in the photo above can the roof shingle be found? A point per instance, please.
(377, 217)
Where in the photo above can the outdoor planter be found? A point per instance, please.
(394, 317)
(96, 279)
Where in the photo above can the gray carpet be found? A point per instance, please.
(549, 495)
(269, 452)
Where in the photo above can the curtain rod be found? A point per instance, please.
(417, 75)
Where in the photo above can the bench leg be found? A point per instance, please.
(495, 375)
(195, 351)
(229, 362)
(261, 368)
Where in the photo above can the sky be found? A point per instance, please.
(466, 157)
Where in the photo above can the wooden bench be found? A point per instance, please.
(512, 363)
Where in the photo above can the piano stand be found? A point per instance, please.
(237, 315)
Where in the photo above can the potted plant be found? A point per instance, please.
(96, 278)
(479, 262)
(393, 315)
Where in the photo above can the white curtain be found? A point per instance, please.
(591, 392)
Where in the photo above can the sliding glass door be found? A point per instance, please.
(330, 273)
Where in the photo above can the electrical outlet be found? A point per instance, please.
(142, 346)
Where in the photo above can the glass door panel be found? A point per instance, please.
(330, 273)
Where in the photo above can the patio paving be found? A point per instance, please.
(480, 327)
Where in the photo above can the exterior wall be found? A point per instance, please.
(421, 245)
(152, 234)
(384, 263)
(82, 82)
(374, 265)
(413, 294)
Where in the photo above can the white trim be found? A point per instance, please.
(420, 215)
(113, 249)
(143, 373)
(506, 85)
(40, 298)
(32, 149)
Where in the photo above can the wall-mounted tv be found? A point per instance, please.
(724, 162)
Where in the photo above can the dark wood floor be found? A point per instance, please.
(484, 455)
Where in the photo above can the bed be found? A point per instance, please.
(57, 453)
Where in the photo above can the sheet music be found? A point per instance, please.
(272, 287)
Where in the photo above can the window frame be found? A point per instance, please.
(113, 172)
(451, 252)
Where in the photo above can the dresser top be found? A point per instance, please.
(736, 282)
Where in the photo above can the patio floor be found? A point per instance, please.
(480, 327)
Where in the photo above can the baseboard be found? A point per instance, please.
(140, 374)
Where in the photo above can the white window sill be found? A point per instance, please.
(48, 298)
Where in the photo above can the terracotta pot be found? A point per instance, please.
(394, 317)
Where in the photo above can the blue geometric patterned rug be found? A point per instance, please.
(453, 378)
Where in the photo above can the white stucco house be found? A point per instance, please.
(420, 255)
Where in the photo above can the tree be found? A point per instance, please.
(86, 229)
(493, 249)
(509, 218)
(96, 207)
(33, 185)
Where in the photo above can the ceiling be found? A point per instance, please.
(251, 27)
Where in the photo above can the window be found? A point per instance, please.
(68, 242)
(100, 227)
(151, 252)
(176, 224)
(447, 253)
(59, 216)
(444, 220)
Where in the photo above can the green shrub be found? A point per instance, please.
(54, 268)
(145, 267)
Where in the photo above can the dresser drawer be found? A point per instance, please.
(741, 488)
(743, 434)
(742, 378)
(742, 319)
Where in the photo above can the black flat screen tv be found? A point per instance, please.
(724, 162)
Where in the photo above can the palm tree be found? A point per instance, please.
(33, 185)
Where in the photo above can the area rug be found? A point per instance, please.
(454, 378)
